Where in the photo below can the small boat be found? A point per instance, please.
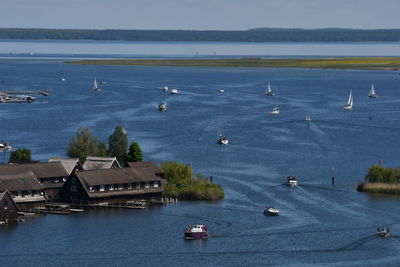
(165, 88)
(62, 79)
(269, 92)
(383, 232)
(349, 104)
(196, 232)
(372, 93)
(275, 111)
(95, 86)
(17, 99)
(162, 106)
(222, 140)
(4, 146)
(271, 211)
(307, 119)
(292, 181)
(221, 90)
(174, 91)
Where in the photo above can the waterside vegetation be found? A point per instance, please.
(359, 63)
(184, 185)
(381, 180)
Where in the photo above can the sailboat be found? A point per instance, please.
(269, 92)
(95, 87)
(349, 104)
(372, 93)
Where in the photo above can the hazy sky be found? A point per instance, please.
(199, 14)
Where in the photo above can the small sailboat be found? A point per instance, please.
(165, 88)
(95, 86)
(349, 104)
(162, 106)
(372, 93)
(222, 140)
(269, 92)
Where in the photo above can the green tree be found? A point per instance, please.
(84, 144)
(23, 154)
(118, 144)
(135, 153)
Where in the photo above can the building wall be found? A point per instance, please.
(31, 206)
(8, 210)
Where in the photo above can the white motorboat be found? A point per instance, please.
(174, 91)
(4, 146)
(221, 90)
(165, 88)
(349, 104)
(275, 111)
(292, 181)
(372, 93)
(62, 79)
(271, 211)
(162, 106)
(95, 86)
(269, 91)
(222, 140)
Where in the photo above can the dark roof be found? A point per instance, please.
(69, 164)
(97, 163)
(19, 182)
(114, 176)
(149, 166)
(41, 170)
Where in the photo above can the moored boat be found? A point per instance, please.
(383, 232)
(196, 232)
(165, 88)
(271, 211)
(162, 106)
(17, 99)
(292, 181)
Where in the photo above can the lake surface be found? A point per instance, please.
(320, 224)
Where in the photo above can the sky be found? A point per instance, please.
(199, 14)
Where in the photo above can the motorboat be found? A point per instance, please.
(271, 211)
(292, 181)
(383, 232)
(221, 90)
(307, 118)
(165, 88)
(269, 91)
(275, 111)
(162, 106)
(349, 104)
(174, 91)
(4, 146)
(372, 93)
(222, 140)
(196, 232)
(17, 99)
(96, 88)
(62, 79)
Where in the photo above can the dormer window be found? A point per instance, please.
(129, 186)
(91, 188)
(120, 187)
(111, 187)
(101, 188)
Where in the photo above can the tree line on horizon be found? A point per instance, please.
(253, 35)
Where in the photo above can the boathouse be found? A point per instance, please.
(25, 190)
(69, 164)
(99, 163)
(8, 208)
(147, 168)
(111, 186)
(52, 175)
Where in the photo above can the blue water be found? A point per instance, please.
(319, 224)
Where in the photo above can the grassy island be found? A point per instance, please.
(356, 63)
(381, 180)
(182, 184)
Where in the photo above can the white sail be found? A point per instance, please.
(373, 90)
(269, 88)
(95, 87)
(350, 101)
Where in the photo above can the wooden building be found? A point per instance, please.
(110, 186)
(100, 163)
(52, 175)
(70, 164)
(8, 208)
(25, 190)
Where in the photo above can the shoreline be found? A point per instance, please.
(349, 63)
(379, 188)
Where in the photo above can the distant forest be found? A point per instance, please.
(254, 35)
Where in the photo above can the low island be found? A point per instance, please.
(355, 63)
(381, 180)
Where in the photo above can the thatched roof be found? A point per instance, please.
(19, 182)
(41, 170)
(98, 163)
(69, 164)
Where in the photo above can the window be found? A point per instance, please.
(137, 186)
(129, 186)
(151, 184)
(91, 188)
(156, 184)
(147, 185)
(73, 188)
(56, 180)
(111, 187)
(64, 179)
(101, 188)
(29, 193)
(120, 187)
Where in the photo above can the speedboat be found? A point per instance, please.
(275, 111)
(292, 181)
(162, 106)
(222, 140)
(383, 232)
(4, 146)
(307, 118)
(196, 232)
(271, 211)
(174, 91)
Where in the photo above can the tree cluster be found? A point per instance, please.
(22, 154)
(379, 174)
(85, 144)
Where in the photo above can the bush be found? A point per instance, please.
(379, 174)
(23, 154)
